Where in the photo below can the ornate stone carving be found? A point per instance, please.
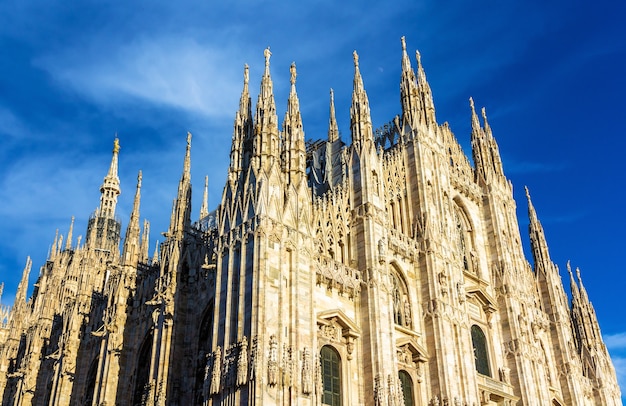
(272, 361)
(379, 391)
(216, 373)
(331, 331)
(336, 275)
(287, 370)
(242, 363)
(307, 372)
(505, 374)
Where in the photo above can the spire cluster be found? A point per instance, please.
(485, 149)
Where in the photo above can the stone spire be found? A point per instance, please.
(110, 188)
(425, 94)
(485, 149)
(408, 89)
(581, 288)
(333, 129)
(572, 284)
(68, 243)
(538, 242)
(204, 210)
(53, 250)
(145, 241)
(493, 146)
(156, 255)
(266, 147)
(360, 118)
(131, 248)
(103, 229)
(22, 288)
(181, 211)
(293, 149)
(584, 319)
(241, 148)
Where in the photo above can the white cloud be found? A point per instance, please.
(616, 342)
(174, 72)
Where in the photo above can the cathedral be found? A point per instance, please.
(384, 271)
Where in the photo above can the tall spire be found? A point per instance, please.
(485, 149)
(488, 132)
(537, 238)
(155, 255)
(333, 129)
(360, 119)
(131, 242)
(572, 284)
(22, 288)
(266, 147)
(481, 160)
(293, 150)
(187, 163)
(581, 287)
(241, 148)
(110, 188)
(426, 94)
(204, 209)
(53, 250)
(68, 243)
(493, 146)
(145, 240)
(181, 212)
(408, 89)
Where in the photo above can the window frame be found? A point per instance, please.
(335, 392)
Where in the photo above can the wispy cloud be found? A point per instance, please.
(615, 341)
(175, 72)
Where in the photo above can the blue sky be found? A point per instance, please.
(73, 74)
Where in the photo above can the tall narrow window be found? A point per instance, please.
(142, 372)
(401, 303)
(91, 381)
(407, 387)
(331, 376)
(481, 357)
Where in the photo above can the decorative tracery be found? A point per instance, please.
(464, 240)
(401, 303)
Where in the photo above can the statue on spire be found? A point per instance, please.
(355, 56)
(292, 70)
(246, 73)
(116, 145)
(267, 55)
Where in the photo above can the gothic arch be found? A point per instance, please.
(481, 351)
(90, 384)
(330, 361)
(401, 301)
(142, 369)
(464, 232)
(407, 387)
(205, 339)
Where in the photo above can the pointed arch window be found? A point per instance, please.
(407, 387)
(464, 240)
(142, 372)
(401, 302)
(481, 356)
(91, 381)
(331, 376)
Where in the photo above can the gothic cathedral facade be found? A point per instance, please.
(387, 271)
